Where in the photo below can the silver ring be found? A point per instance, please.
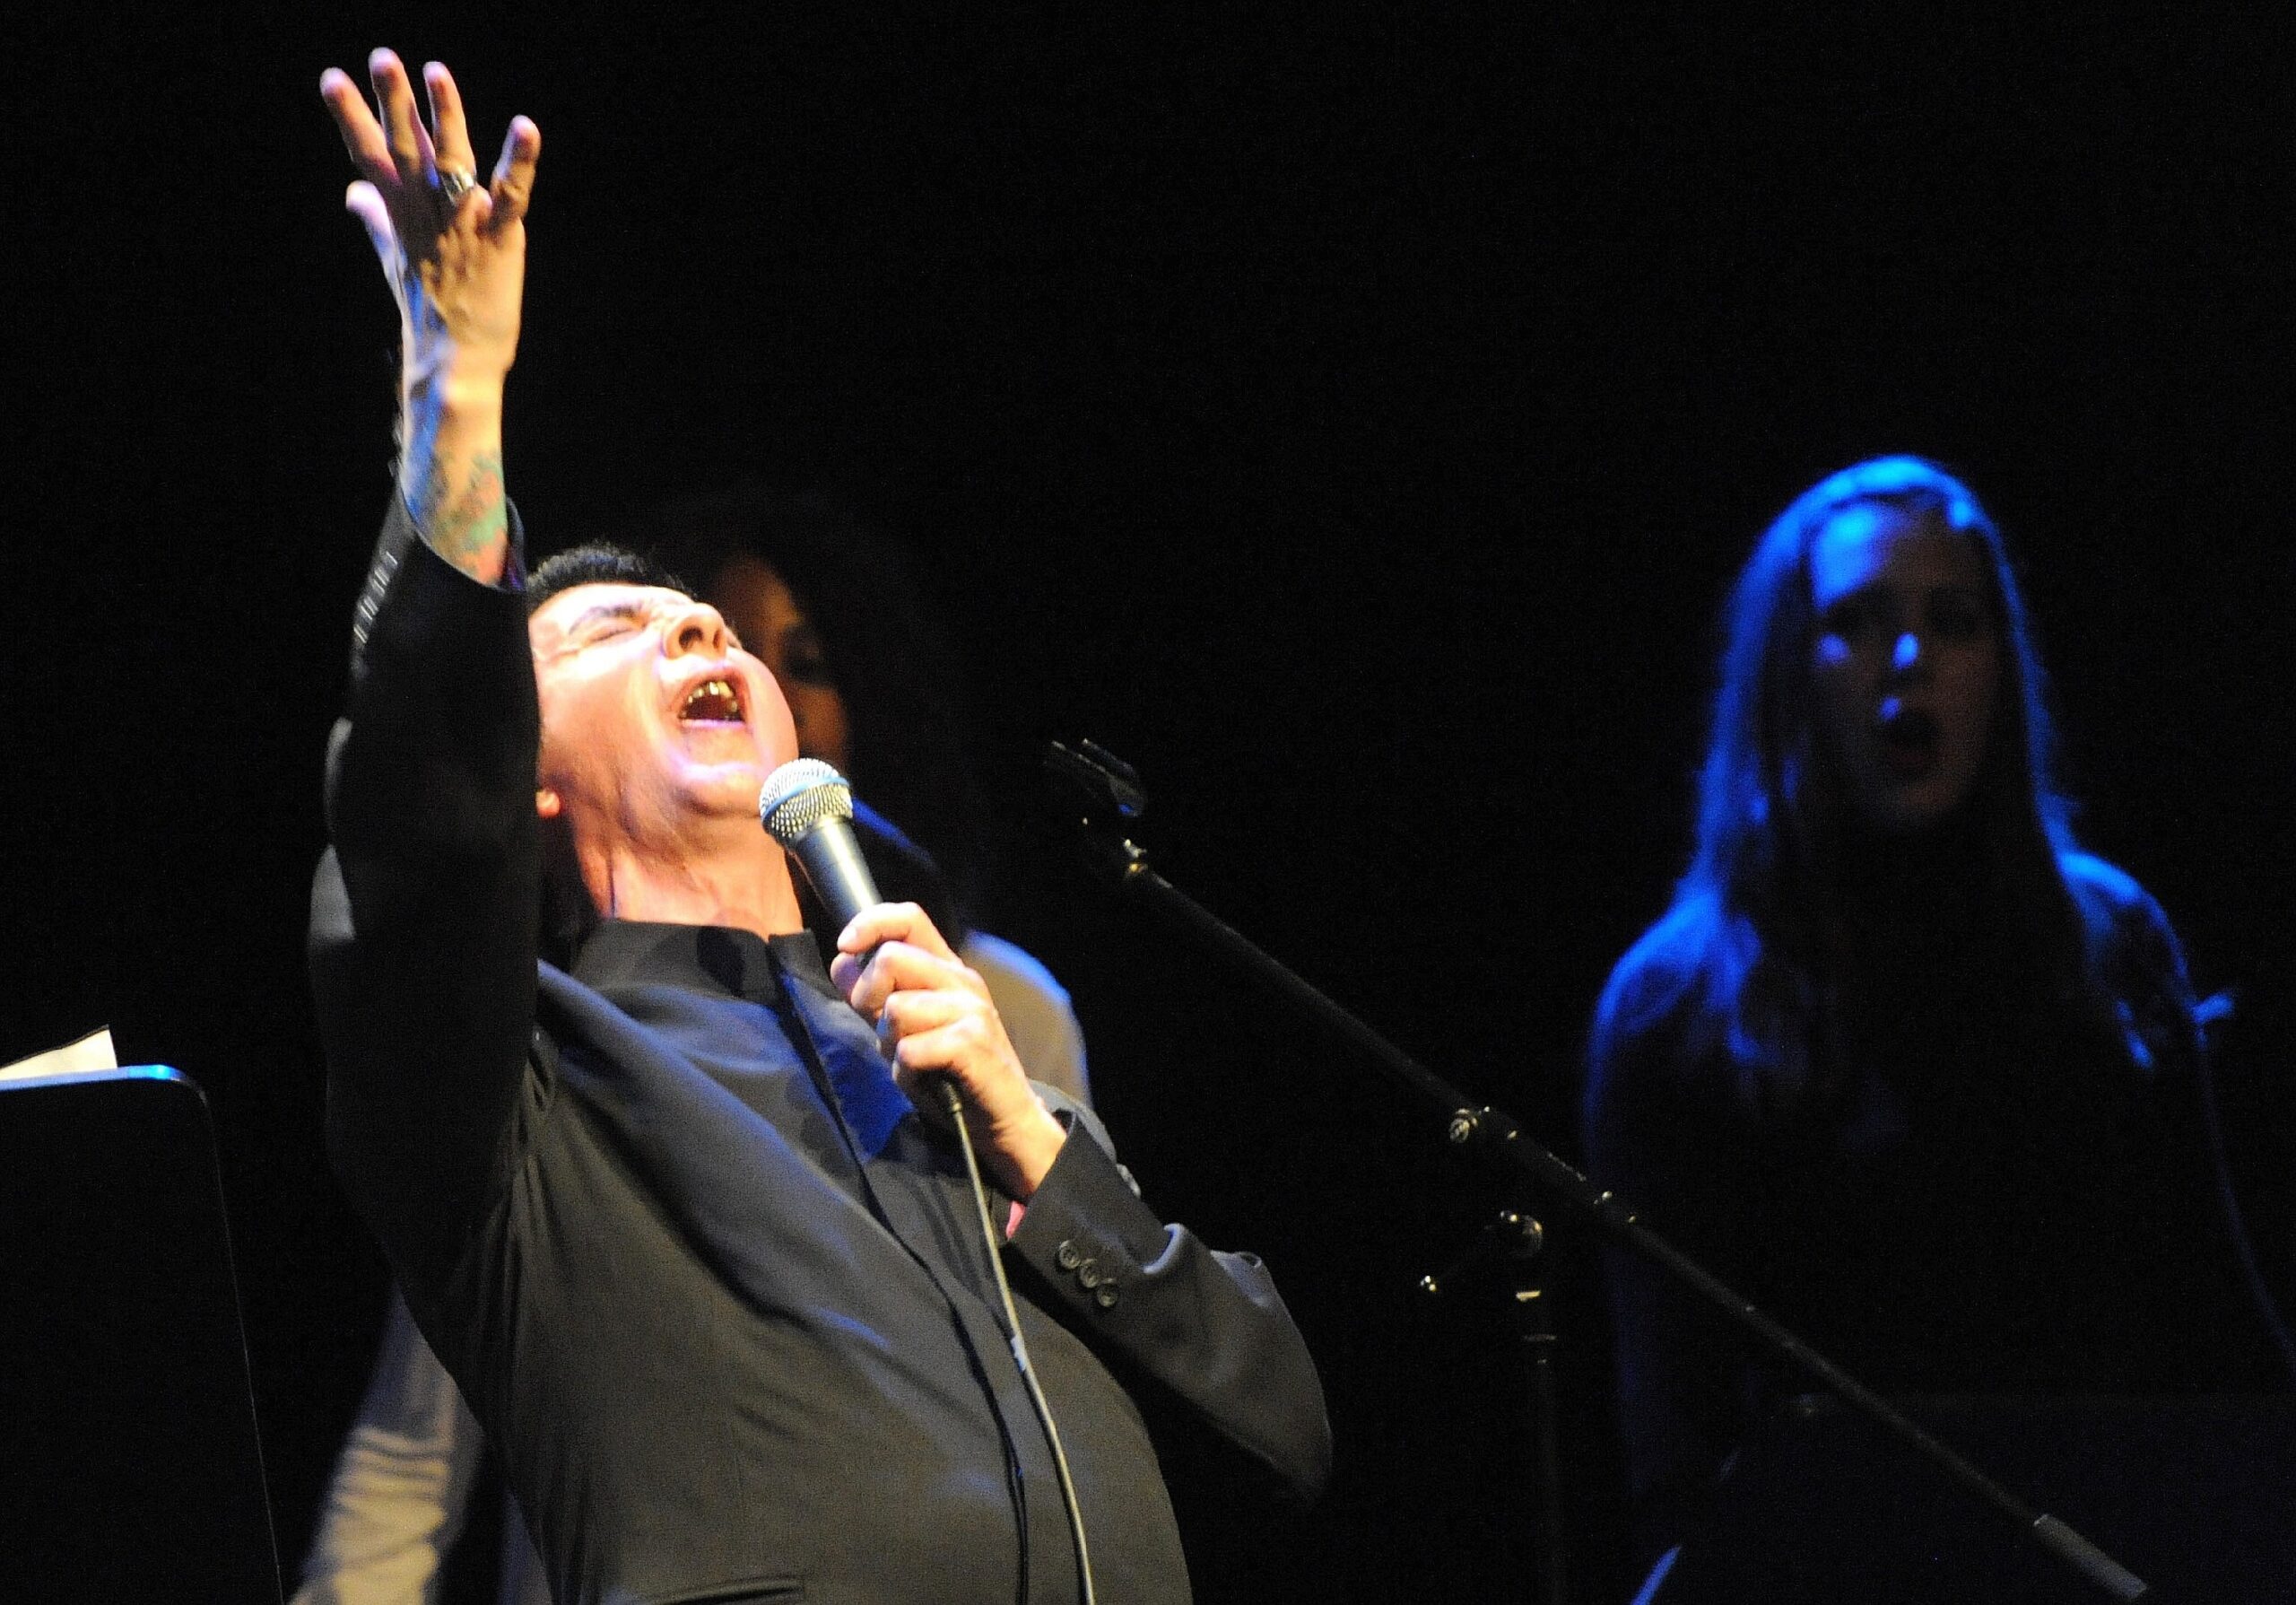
(454, 183)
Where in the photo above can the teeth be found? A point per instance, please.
(715, 700)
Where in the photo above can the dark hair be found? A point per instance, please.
(912, 746)
(597, 563)
(1747, 942)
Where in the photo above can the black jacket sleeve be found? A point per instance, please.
(1207, 1325)
(424, 912)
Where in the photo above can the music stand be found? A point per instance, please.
(131, 1468)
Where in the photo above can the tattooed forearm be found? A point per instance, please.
(463, 517)
(450, 476)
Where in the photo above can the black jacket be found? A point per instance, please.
(705, 1278)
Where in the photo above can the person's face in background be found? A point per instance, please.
(764, 613)
(1906, 664)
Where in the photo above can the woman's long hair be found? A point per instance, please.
(1752, 931)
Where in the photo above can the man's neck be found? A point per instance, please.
(740, 880)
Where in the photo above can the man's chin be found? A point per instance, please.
(730, 787)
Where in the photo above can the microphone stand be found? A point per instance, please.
(1517, 1239)
(1112, 798)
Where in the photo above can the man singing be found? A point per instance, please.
(650, 1178)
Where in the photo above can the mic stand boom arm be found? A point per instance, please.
(1114, 790)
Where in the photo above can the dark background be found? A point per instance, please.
(1351, 417)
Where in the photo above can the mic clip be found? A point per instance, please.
(1509, 1236)
(1104, 793)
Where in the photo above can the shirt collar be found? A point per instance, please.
(707, 958)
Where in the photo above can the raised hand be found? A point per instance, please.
(454, 251)
(933, 1015)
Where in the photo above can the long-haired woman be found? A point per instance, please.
(1901, 1059)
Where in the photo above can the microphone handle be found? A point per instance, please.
(830, 856)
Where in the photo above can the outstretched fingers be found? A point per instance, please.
(365, 203)
(408, 140)
(513, 186)
(362, 135)
(456, 272)
(400, 157)
(450, 131)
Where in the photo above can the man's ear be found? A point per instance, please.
(547, 803)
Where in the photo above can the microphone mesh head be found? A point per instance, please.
(800, 795)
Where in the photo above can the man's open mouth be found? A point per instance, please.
(717, 702)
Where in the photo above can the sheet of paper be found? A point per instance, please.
(92, 1054)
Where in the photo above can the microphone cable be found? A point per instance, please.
(951, 1101)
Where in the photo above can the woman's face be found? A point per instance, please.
(764, 613)
(1906, 666)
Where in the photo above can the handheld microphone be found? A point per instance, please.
(808, 806)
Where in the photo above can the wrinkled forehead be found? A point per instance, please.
(1871, 541)
(564, 615)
